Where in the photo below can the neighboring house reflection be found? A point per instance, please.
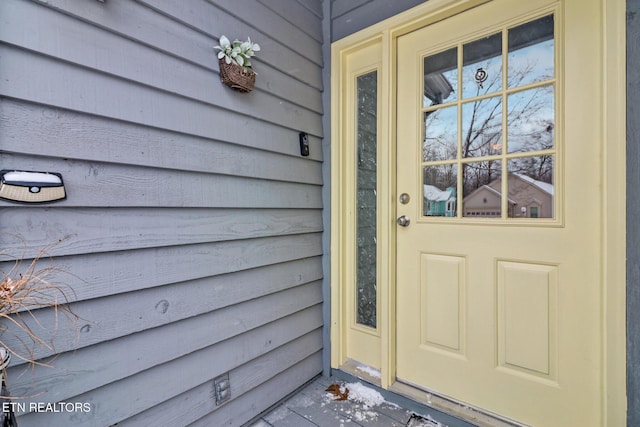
(528, 198)
(438, 202)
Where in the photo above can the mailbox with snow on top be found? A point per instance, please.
(31, 187)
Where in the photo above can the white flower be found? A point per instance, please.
(237, 52)
(224, 43)
(255, 47)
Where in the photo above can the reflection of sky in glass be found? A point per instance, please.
(531, 119)
(475, 129)
(531, 64)
(531, 116)
(441, 134)
(480, 57)
(531, 52)
(493, 83)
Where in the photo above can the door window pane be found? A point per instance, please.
(439, 188)
(482, 127)
(366, 199)
(531, 119)
(531, 52)
(440, 77)
(482, 66)
(440, 134)
(482, 189)
(531, 188)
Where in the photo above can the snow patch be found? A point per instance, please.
(360, 393)
(372, 372)
(32, 177)
(365, 415)
(362, 399)
(303, 401)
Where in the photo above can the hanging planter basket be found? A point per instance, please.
(236, 77)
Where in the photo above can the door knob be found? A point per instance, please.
(403, 221)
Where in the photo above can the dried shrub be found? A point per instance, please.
(23, 290)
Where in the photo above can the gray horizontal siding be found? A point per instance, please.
(100, 274)
(350, 16)
(191, 235)
(169, 38)
(72, 87)
(145, 373)
(153, 308)
(301, 15)
(92, 184)
(138, 352)
(44, 131)
(87, 231)
(281, 385)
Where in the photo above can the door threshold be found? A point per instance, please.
(475, 415)
(419, 409)
(362, 371)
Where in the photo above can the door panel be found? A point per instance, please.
(527, 317)
(442, 290)
(498, 271)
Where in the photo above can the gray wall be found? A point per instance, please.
(350, 16)
(192, 231)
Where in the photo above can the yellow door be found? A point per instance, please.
(499, 271)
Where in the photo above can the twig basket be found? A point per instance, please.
(236, 77)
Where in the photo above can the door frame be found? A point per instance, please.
(385, 35)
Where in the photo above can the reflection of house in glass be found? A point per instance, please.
(528, 198)
(438, 202)
(437, 88)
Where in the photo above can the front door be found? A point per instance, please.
(499, 272)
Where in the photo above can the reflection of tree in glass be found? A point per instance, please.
(482, 119)
(482, 127)
(530, 120)
(531, 127)
(442, 176)
(493, 82)
(539, 168)
(441, 140)
(477, 174)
